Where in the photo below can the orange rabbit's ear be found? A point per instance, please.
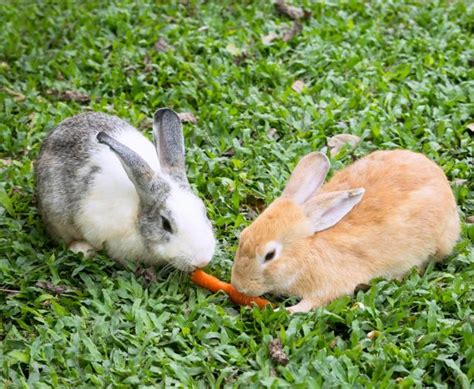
(326, 209)
(307, 177)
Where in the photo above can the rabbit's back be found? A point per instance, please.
(389, 172)
(77, 176)
(408, 212)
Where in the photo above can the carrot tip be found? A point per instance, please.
(201, 278)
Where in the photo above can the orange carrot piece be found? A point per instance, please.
(201, 278)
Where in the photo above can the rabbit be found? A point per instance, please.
(102, 185)
(379, 217)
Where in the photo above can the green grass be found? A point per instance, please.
(396, 73)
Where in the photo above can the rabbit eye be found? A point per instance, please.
(166, 224)
(270, 255)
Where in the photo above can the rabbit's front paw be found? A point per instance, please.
(83, 247)
(302, 307)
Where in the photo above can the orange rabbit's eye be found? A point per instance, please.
(270, 255)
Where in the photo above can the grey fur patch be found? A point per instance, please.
(169, 141)
(159, 190)
(149, 220)
(65, 174)
(136, 168)
(89, 178)
(62, 177)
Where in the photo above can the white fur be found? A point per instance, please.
(194, 238)
(82, 247)
(302, 307)
(108, 215)
(109, 212)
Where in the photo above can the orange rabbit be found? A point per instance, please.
(380, 216)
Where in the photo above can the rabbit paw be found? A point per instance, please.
(83, 247)
(302, 306)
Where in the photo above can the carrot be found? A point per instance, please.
(201, 278)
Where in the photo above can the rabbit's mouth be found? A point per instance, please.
(248, 289)
(182, 263)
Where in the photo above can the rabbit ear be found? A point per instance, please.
(169, 142)
(326, 209)
(307, 177)
(136, 168)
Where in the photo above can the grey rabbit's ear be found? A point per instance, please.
(169, 142)
(138, 171)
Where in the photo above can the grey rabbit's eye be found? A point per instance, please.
(166, 224)
(270, 255)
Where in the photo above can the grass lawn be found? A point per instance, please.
(395, 73)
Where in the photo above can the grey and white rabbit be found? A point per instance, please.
(102, 185)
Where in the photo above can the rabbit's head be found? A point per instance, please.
(273, 247)
(172, 220)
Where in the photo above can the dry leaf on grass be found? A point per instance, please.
(458, 181)
(272, 133)
(337, 142)
(295, 29)
(298, 86)
(470, 219)
(51, 288)
(470, 127)
(70, 95)
(187, 117)
(358, 305)
(17, 96)
(240, 58)
(239, 54)
(228, 153)
(361, 287)
(233, 49)
(267, 39)
(162, 46)
(289, 34)
(372, 335)
(148, 274)
(294, 13)
(10, 292)
(332, 343)
(277, 354)
(147, 62)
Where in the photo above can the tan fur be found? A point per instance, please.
(407, 215)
